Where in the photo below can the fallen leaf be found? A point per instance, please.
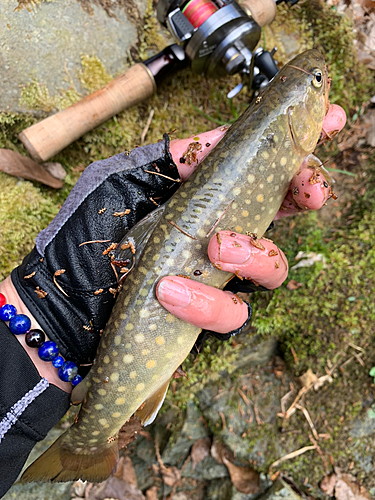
(200, 450)
(152, 493)
(78, 488)
(115, 488)
(55, 169)
(343, 487)
(328, 484)
(293, 285)
(171, 475)
(125, 471)
(308, 378)
(13, 163)
(244, 479)
(347, 489)
(308, 259)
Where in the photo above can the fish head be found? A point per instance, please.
(308, 80)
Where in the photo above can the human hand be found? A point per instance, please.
(261, 261)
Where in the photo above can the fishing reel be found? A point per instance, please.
(215, 37)
(219, 37)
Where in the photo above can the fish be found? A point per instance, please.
(240, 185)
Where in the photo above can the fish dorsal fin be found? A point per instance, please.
(131, 247)
(148, 411)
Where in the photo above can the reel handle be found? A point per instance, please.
(49, 136)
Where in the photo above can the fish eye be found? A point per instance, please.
(317, 80)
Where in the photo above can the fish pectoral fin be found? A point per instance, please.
(130, 248)
(79, 392)
(149, 409)
(59, 464)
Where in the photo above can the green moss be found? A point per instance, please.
(93, 74)
(316, 24)
(32, 212)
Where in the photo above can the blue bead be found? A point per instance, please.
(57, 362)
(76, 380)
(7, 312)
(48, 351)
(68, 371)
(19, 324)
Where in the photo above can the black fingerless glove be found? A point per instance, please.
(67, 280)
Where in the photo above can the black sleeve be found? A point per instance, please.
(29, 407)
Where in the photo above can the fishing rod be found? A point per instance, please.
(215, 37)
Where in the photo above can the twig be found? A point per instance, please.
(358, 357)
(222, 419)
(182, 231)
(219, 219)
(310, 422)
(94, 241)
(162, 175)
(293, 454)
(148, 123)
(356, 347)
(58, 273)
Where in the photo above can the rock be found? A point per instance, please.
(192, 430)
(44, 41)
(279, 491)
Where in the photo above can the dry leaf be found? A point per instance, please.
(152, 493)
(308, 378)
(347, 489)
(125, 471)
(200, 450)
(328, 484)
(55, 169)
(343, 487)
(243, 478)
(13, 163)
(114, 487)
(293, 285)
(171, 475)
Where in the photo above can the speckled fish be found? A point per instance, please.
(245, 178)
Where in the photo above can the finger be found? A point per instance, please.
(259, 260)
(333, 122)
(201, 305)
(309, 189)
(188, 153)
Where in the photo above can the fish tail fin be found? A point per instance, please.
(60, 464)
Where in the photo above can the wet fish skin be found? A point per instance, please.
(247, 175)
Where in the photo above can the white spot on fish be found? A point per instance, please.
(133, 374)
(119, 402)
(236, 191)
(140, 387)
(114, 376)
(128, 358)
(260, 198)
(160, 340)
(152, 327)
(139, 338)
(151, 362)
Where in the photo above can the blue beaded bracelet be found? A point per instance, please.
(47, 349)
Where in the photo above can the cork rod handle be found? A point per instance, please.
(49, 136)
(263, 11)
